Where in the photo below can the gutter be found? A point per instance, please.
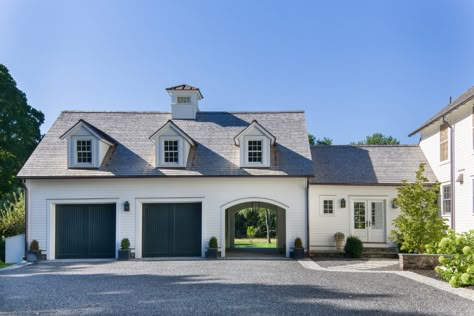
(23, 182)
(307, 215)
(452, 164)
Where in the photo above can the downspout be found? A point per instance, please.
(23, 182)
(307, 214)
(452, 172)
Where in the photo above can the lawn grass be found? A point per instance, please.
(254, 243)
(4, 265)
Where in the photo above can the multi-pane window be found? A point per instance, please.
(446, 199)
(443, 142)
(84, 152)
(254, 151)
(171, 152)
(359, 215)
(328, 206)
(184, 99)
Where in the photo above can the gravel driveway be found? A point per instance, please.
(216, 287)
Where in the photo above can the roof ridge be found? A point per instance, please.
(163, 112)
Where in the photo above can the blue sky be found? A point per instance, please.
(354, 67)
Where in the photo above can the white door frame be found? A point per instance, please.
(367, 200)
(139, 212)
(51, 220)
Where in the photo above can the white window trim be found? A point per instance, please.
(323, 198)
(448, 141)
(265, 152)
(442, 200)
(73, 152)
(161, 152)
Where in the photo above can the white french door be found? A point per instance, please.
(368, 220)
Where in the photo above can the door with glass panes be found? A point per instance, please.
(368, 220)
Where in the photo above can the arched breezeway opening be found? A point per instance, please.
(267, 218)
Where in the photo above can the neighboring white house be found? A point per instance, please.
(167, 181)
(450, 132)
(353, 189)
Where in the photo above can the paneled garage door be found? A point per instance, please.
(171, 229)
(85, 231)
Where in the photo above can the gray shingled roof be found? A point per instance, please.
(215, 153)
(462, 99)
(369, 165)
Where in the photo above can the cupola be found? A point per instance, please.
(184, 101)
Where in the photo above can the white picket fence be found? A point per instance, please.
(14, 248)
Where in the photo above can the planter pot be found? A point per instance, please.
(340, 244)
(33, 256)
(124, 254)
(297, 253)
(211, 253)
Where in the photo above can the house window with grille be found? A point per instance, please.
(446, 199)
(84, 152)
(254, 151)
(328, 207)
(171, 151)
(184, 100)
(443, 142)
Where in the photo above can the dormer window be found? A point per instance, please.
(184, 100)
(86, 145)
(84, 151)
(172, 146)
(254, 151)
(255, 146)
(171, 151)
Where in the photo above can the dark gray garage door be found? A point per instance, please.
(171, 230)
(85, 231)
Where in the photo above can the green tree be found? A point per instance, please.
(251, 232)
(12, 216)
(19, 131)
(419, 223)
(324, 141)
(378, 139)
(319, 141)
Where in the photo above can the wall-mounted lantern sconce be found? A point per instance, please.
(126, 206)
(343, 203)
(394, 203)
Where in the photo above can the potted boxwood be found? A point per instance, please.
(212, 250)
(298, 250)
(124, 251)
(339, 237)
(34, 254)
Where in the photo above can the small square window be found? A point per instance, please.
(328, 206)
(170, 151)
(84, 152)
(254, 151)
(184, 100)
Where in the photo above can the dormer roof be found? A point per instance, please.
(260, 128)
(91, 129)
(187, 87)
(175, 128)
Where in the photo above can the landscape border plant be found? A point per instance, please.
(419, 222)
(457, 267)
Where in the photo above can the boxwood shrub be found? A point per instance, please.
(353, 247)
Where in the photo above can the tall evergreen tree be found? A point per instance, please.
(19, 131)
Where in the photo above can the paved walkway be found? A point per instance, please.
(359, 264)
